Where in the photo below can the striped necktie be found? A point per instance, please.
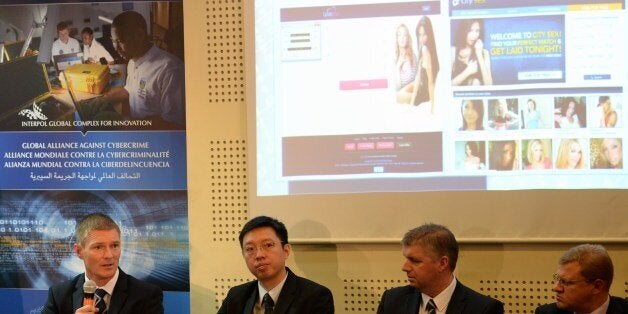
(99, 301)
(430, 308)
(268, 304)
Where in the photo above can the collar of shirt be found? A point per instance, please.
(274, 292)
(603, 308)
(109, 285)
(442, 299)
(147, 56)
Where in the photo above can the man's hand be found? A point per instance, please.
(87, 309)
(95, 107)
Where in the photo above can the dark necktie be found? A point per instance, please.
(99, 301)
(430, 308)
(268, 304)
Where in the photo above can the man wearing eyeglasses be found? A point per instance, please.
(265, 248)
(582, 283)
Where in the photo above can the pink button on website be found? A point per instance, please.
(367, 145)
(364, 84)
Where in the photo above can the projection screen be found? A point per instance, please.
(501, 119)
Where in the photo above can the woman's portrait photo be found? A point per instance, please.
(503, 155)
(570, 112)
(607, 153)
(428, 64)
(405, 60)
(570, 154)
(470, 156)
(538, 154)
(471, 62)
(536, 113)
(503, 114)
(608, 112)
(472, 111)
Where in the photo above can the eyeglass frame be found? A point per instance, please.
(264, 247)
(566, 283)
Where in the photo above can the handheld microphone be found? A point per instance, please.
(89, 288)
(103, 61)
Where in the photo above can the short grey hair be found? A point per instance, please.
(594, 261)
(95, 221)
(437, 239)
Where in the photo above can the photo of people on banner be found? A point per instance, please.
(93, 66)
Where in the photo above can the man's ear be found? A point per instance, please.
(79, 250)
(287, 248)
(140, 36)
(443, 263)
(600, 286)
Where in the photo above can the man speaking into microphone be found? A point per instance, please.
(103, 288)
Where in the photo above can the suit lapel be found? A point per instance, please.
(412, 302)
(556, 310)
(119, 294)
(457, 301)
(287, 295)
(614, 306)
(77, 296)
(250, 302)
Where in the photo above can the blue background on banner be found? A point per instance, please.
(506, 68)
(31, 301)
(96, 178)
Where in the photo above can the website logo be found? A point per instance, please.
(455, 3)
(34, 114)
(331, 12)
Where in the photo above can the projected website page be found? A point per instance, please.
(362, 96)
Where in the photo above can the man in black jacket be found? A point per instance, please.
(431, 253)
(582, 283)
(277, 290)
(98, 244)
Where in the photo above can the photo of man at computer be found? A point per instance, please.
(98, 66)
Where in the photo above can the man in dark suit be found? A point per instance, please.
(98, 245)
(431, 253)
(582, 283)
(277, 290)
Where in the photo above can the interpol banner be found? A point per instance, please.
(92, 119)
